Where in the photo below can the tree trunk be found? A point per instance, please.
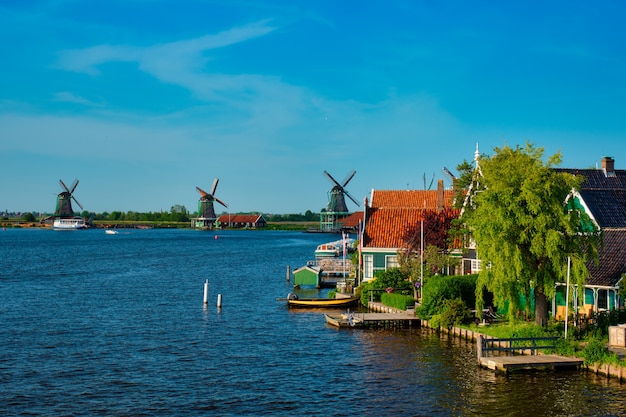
(541, 307)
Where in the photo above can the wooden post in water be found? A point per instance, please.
(219, 300)
(206, 292)
(288, 273)
(479, 346)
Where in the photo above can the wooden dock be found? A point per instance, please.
(521, 353)
(527, 362)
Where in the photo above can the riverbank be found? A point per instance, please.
(608, 370)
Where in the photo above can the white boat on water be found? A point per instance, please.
(69, 223)
(334, 249)
(327, 250)
(110, 232)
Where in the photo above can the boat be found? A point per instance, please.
(335, 249)
(343, 320)
(69, 223)
(110, 232)
(327, 250)
(321, 302)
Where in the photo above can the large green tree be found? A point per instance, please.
(523, 230)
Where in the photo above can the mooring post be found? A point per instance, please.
(219, 300)
(479, 347)
(206, 292)
(288, 273)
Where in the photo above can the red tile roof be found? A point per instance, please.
(429, 199)
(352, 221)
(394, 214)
(239, 218)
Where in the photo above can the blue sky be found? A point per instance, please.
(142, 101)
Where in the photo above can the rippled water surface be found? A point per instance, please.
(96, 324)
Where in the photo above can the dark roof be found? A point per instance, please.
(604, 195)
(612, 259)
(598, 179)
(608, 206)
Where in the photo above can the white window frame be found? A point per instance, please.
(391, 261)
(476, 265)
(368, 267)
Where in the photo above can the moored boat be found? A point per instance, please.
(321, 302)
(343, 320)
(69, 223)
(327, 250)
(335, 249)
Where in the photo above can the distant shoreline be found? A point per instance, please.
(100, 224)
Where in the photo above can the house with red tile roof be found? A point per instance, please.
(242, 221)
(392, 217)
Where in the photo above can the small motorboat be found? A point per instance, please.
(343, 320)
(110, 232)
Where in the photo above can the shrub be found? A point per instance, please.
(390, 278)
(454, 313)
(564, 347)
(439, 289)
(596, 352)
(399, 301)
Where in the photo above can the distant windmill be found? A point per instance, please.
(64, 200)
(337, 201)
(205, 205)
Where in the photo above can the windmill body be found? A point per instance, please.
(206, 208)
(337, 209)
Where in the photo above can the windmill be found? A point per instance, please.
(205, 204)
(337, 201)
(64, 200)
(330, 219)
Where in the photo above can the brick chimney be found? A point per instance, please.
(608, 166)
(439, 195)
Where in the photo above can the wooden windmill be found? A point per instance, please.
(206, 210)
(337, 207)
(64, 200)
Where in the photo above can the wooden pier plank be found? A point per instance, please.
(507, 363)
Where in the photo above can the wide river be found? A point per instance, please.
(115, 325)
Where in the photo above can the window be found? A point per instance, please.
(368, 267)
(391, 262)
(603, 299)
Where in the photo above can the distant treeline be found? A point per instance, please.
(177, 213)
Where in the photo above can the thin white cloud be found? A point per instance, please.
(70, 97)
(173, 62)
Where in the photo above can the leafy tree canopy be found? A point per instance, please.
(523, 232)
